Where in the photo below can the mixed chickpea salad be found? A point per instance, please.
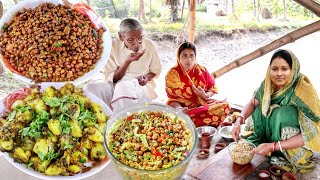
(57, 132)
(150, 140)
(242, 153)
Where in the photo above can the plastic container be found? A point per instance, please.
(128, 172)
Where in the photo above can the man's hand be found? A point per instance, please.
(135, 56)
(200, 92)
(143, 80)
(120, 72)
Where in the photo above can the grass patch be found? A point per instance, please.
(206, 22)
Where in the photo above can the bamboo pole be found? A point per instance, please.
(297, 34)
(290, 37)
(192, 21)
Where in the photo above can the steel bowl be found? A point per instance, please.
(225, 133)
(206, 129)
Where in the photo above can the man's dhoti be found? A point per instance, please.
(120, 95)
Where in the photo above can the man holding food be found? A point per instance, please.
(130, 70)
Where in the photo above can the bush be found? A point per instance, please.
(202, 8)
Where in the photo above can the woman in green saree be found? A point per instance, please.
(285, 111)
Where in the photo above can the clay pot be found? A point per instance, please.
(203, 153)
(219, 146)
(288, 176)
(276, 171)
(264, 175)
(225, 124)
(205, 141)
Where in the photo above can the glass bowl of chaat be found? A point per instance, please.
(150, 141)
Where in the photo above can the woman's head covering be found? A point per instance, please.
(300, 93)
(183, 46)
(269, 87)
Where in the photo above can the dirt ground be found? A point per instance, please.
(215, 51)
(239, 84)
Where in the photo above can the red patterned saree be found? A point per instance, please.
(179, 89)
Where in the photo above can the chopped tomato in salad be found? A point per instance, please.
(150, 140)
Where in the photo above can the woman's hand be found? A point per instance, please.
(235, 132)
(200, 92)
(263, 149)
(183, 109)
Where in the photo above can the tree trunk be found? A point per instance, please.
(192, 20)
(174, 10)
(232, 6)
(15, 1)
(183, 2)
(227, 5)
(1, 13)
(284, 10)
(254, 8)
(115, 10)
(290, 37)
(150, 1)
(141, 14)
(311, 5)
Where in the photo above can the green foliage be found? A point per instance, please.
(201, 8)
(293, 9)
(163, 26)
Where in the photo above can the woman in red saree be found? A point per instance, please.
(190, 86)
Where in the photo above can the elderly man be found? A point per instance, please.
(130, 70)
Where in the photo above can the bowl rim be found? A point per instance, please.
(98, 66)
(165, 107)
(273, 167)
(211, 135)
(289, 174)
(248, 142)
(264, 171)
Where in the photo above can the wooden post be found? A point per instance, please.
(290, 37)
(141, 14)
(192, 20)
